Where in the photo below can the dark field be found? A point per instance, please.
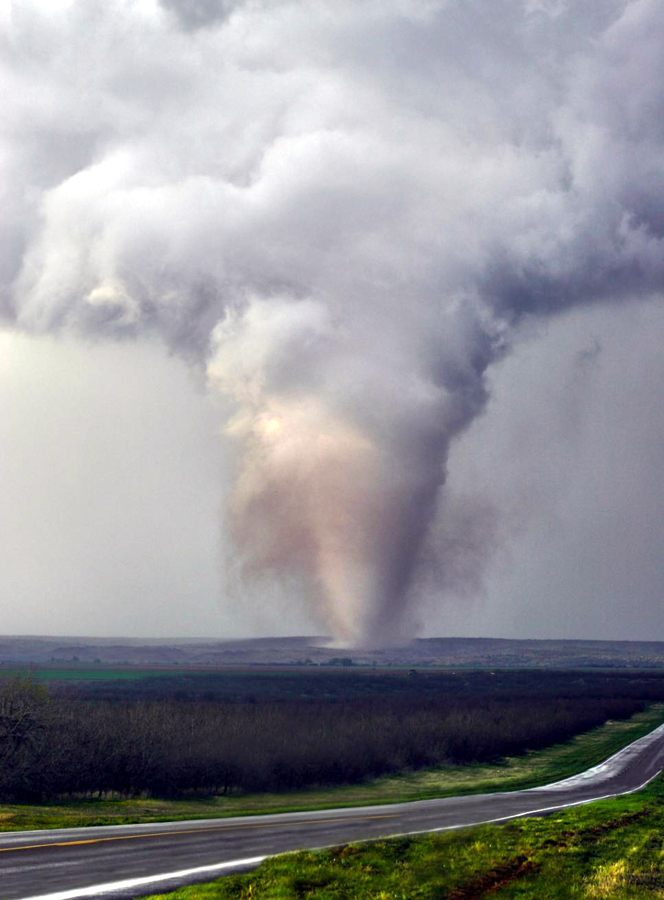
(236, 731)
(328, 685)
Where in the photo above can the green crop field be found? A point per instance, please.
(48, 674)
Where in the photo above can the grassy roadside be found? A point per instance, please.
(610, 849)
(538, 767)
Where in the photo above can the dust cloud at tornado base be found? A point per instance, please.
(345, 217)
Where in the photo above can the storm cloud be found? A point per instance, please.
(345, 214)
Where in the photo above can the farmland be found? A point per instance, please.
(511, 773)
(89, 652)
(238, 735)
(102, 744)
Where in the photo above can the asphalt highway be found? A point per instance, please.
(127, 861)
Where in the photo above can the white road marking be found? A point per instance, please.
(129, 883)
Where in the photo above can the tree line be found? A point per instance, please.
(58, 745)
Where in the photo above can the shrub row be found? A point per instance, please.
(53, 746)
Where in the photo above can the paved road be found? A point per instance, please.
(134, 860)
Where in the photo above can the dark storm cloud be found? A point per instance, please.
(193, 14)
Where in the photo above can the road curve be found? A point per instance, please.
(126, 861)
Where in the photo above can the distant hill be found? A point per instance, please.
(470, 652)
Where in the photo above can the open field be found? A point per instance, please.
(612, 849)
(537, 767)
(48, 674)
(84, 652)
(332, 684)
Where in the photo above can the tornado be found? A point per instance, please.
(342, 215)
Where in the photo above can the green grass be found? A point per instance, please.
(609, 849)
(100, 674)
(538, 767)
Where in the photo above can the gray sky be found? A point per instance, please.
(361, 299)
(569, 457)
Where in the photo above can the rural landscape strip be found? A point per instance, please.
(129, 884)
(543, 766)
(219, 747)
(183, 875)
